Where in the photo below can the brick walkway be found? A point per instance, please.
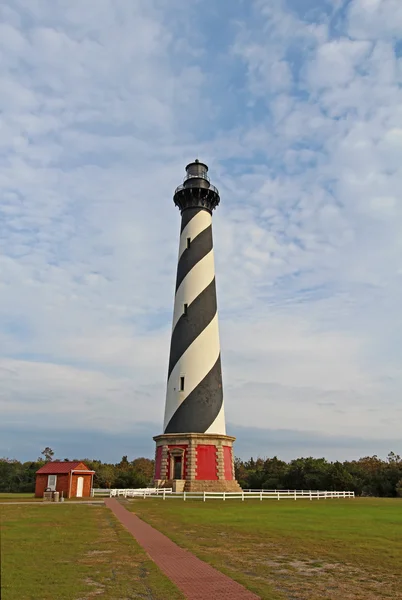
(195, 578)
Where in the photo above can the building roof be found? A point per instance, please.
(58, 467)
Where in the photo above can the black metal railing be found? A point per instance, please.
(186, 187)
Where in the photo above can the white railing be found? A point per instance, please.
(243, 495)
(110, 493)
(282, 491)
(100, 492)
(252, 495)
(131, 492)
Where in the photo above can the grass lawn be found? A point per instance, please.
(320, 550)
(74, 553)
(30, 497)
(8, 497)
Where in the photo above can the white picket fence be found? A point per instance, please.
(130, 493)
(255, 495)
(100, 492)
(165, 493)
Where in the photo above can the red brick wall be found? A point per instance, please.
(206, 462)
(227, 461)
(40, 485)
(82, 467)
(61, 484)
(158, 462)
(86, 491)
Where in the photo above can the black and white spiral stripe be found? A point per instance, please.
(195, 363)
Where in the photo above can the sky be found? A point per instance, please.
(296, 106)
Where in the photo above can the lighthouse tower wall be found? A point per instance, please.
(194, 398)
(194, 453)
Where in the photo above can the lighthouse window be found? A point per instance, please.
(185, 309)
(182, 384)
(188, 242)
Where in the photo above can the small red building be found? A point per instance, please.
(73, 479)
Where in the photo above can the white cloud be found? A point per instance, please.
(80, 398)
(102, 110)
(336, 62)
(370, 19)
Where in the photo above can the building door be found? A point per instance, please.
(51, 482)
(80, 486)
(177, 467)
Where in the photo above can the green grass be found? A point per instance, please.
(74, 553)
(30, 497)
(320, 550)
(5, 497)
(16, 495)
(20, 497)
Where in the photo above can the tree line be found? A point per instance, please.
(368, 476)
(16, 476)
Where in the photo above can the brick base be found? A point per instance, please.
(199, 486)
(205, 462)
(212, 486)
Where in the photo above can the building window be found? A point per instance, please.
(185, 309)
(182, 384)
(188, 242)
(51, 482)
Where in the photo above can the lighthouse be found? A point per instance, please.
(194, 453)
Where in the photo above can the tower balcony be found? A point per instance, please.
(196, 191)
(195, 184)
